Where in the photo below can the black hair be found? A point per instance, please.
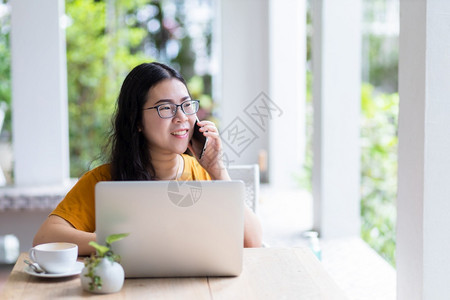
(129, 154)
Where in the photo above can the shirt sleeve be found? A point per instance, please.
(78, 207)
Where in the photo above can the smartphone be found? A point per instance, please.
(198, 141)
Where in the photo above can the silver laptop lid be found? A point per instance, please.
(177, 228)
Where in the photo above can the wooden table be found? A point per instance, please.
(268, 273)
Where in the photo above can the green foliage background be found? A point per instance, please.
(379, 142)
(5, 72)
(99, 55)
(379, 120)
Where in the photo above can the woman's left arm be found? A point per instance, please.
(212, 162)
(252, 229)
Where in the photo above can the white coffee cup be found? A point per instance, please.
(55, 257)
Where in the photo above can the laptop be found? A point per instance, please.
(176, 228)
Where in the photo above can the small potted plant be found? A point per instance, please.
(102, 272)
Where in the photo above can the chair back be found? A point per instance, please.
(249, 174)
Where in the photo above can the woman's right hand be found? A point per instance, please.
(211, 160)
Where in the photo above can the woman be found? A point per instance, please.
(153, 125)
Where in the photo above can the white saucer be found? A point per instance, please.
(75, 271)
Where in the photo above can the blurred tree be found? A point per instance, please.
(5, 67)
(379, 109)
(175, 35)
(99, 55)
(379, 170)
(380, 44)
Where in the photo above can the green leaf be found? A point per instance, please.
(115, 237)
(100, 249)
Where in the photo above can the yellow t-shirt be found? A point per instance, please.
(78, 207)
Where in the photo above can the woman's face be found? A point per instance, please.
(167, 135)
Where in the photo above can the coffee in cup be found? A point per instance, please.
(55, 257)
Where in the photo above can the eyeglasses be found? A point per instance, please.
(169, 110)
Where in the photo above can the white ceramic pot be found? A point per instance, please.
(112, 276)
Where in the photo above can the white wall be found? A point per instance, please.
(423, 242)
(23, 224)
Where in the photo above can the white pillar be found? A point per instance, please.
(260, 87)
(243, 59)
(39, 92)
(336, 96)
(287, 89)
(423, 242)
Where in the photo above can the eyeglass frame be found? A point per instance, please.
(176, 108)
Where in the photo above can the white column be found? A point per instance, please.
(39, 92)
(287, 89)
(260, 86)
(243, 64)
(423, 241)
(336, 96)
